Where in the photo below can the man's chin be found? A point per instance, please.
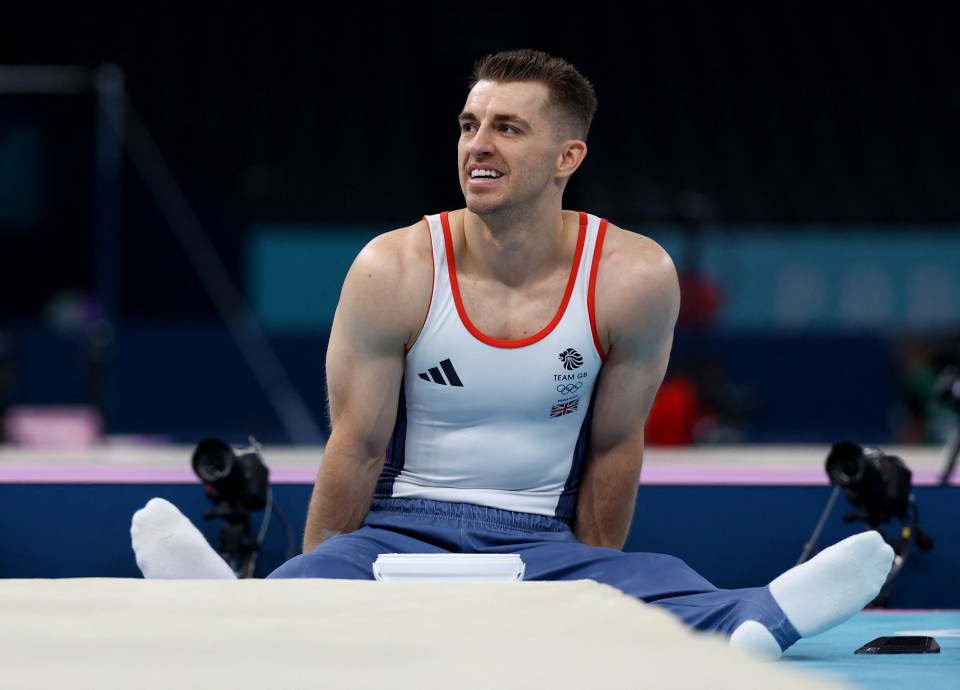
(482, 206)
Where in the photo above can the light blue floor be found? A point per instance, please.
(832, 652)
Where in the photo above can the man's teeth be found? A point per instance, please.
(484, 173)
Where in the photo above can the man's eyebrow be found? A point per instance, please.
(467, 116)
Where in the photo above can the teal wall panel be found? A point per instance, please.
(295, 273)
(771, 279)
(828, 279)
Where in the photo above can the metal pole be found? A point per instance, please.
(108, 84)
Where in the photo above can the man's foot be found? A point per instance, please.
(168, 546)
(823, 592)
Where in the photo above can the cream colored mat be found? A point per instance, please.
(128, 633)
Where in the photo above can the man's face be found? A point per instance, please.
(508, 149)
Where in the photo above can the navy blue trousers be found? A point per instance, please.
(549, 551)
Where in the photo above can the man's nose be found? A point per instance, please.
(482, 142)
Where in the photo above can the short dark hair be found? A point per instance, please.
(570, 92)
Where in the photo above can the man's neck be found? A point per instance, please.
(512, 249)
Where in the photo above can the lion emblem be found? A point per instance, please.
(571, 359)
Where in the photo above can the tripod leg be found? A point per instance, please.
(953, 449)
(238, 548)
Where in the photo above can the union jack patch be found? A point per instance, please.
(564, 408)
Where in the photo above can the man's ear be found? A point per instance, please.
(570, 158)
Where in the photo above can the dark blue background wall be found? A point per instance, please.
(188, 381)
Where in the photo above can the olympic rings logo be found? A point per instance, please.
(567, 388)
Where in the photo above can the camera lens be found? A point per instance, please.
(849, 470)
(213, 460)
(845, 464)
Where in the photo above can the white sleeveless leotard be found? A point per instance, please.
(497, 423)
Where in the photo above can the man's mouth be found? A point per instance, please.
(480, 174)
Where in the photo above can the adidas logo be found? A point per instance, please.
(434, 374)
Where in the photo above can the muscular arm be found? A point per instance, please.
(637, 302)
(382, 304)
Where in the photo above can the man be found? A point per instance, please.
(490, 371)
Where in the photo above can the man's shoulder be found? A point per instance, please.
(634, 252)
(387, 290)
(637, 289)
(409, 236)
(396, 252)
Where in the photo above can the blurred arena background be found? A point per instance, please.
(183, 186)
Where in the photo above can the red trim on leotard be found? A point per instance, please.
(592, 288)
(499, 342)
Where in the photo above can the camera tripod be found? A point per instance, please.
(910, 535)
(237, 547)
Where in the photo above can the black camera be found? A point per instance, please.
(238, 479)
(236, 483)
(879, 485)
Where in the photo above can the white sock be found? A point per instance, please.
(835, 584)
(169, 547)
(823, 592)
